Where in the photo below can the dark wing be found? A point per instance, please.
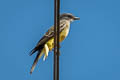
(49, 34)
(43, 40)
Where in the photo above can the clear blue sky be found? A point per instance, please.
(90, 52)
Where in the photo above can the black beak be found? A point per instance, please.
(76, 18)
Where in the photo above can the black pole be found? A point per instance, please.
(56, 39)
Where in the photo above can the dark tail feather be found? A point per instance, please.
(35, 61)
(36, 49)
(39, 49)
(33, 51)
(37, 57)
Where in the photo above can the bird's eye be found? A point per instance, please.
(70, 16)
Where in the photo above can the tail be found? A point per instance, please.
(34, 50)
(40, 53)
(37, 48)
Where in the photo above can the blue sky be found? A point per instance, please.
(90, 52)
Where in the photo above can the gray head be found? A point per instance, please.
(68, 16)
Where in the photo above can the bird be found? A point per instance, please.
(46, 43)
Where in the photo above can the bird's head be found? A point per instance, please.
(69, 16)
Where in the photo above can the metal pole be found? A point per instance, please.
(56, 39)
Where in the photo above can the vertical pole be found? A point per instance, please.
(56, 39)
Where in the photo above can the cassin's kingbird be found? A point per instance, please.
(46, 43)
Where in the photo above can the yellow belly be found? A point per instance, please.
(63, 35)
(50, 43)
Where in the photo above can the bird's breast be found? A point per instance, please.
(63, 35)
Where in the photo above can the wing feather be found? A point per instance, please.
(49, 34)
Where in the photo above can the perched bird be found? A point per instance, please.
(46, 43)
